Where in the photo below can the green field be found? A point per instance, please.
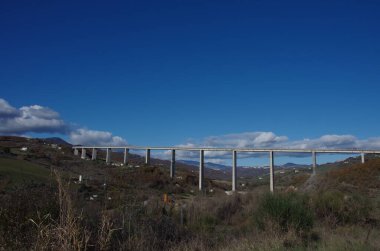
(17, 172)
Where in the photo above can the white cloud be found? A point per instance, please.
(6, 110)
(95, 138)
(326, 141)
(40, 119)
(245, 140)
(33, 118)
(370, 143)
(271, 140)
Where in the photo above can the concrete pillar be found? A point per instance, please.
(363, 159)
(94, 153)
(76, 152)
(126, 153)
(314, 160)
(147, 157)
(234, 166)
(271, 171)
(83, 153)
(201, 168)
(172, 165)
(108, 156)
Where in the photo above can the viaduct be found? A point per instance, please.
(233, 151)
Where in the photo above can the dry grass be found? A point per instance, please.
(361, 177)
(352, 237)
(137, 218)
(65, 234)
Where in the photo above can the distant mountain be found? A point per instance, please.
(226, 167)
(56, 140)
(293, 165)
(207, 164)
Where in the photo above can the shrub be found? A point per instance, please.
(206, 223)
(229, 208)
(7, 150)
(337, 208)
(286, 211)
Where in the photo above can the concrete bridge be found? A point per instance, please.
(233, 151)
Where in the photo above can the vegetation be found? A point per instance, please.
(285, 211)
(15, 172)
(337, 208)
(119, 208)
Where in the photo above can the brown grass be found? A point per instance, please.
(65, 234)
(137, 219)
(361, 176)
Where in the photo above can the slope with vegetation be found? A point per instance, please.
(43, 205)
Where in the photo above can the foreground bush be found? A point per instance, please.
(337, 208)
(284, 211)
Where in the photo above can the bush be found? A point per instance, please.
(229, 208)
(286, 211)
(337, 208)
(7, 150)
(206, 223)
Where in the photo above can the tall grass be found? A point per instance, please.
(335, 207)
(133, 220)
(286, 211)
(65, 233)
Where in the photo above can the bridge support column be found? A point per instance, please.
(271, 171)
(201, 168)
(108, 156)
(363, 158)
(172, 165)
(234, 166)
(94, 153)
(147, 157)
(314, 160)
(76, 152)
(126, 153)
(83, 156)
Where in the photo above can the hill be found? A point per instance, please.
(138, 207)
(55, 140)
(15, 172)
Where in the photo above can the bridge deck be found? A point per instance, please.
(234, 149)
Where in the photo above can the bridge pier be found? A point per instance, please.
(314, 160)
(147, 157)
(271, 171)
(201, 168)
(363, 158)
(83, 156)
(172, 165)
(76, 152)
(126, 153)
(234, 166)
(108, 156)
(94, 153)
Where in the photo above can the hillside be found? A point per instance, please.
(140, 208)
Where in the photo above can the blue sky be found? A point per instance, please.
(180, 72)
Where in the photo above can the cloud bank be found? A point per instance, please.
(95, 138)
(33, 118)
(271, 140)
(40, 119)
